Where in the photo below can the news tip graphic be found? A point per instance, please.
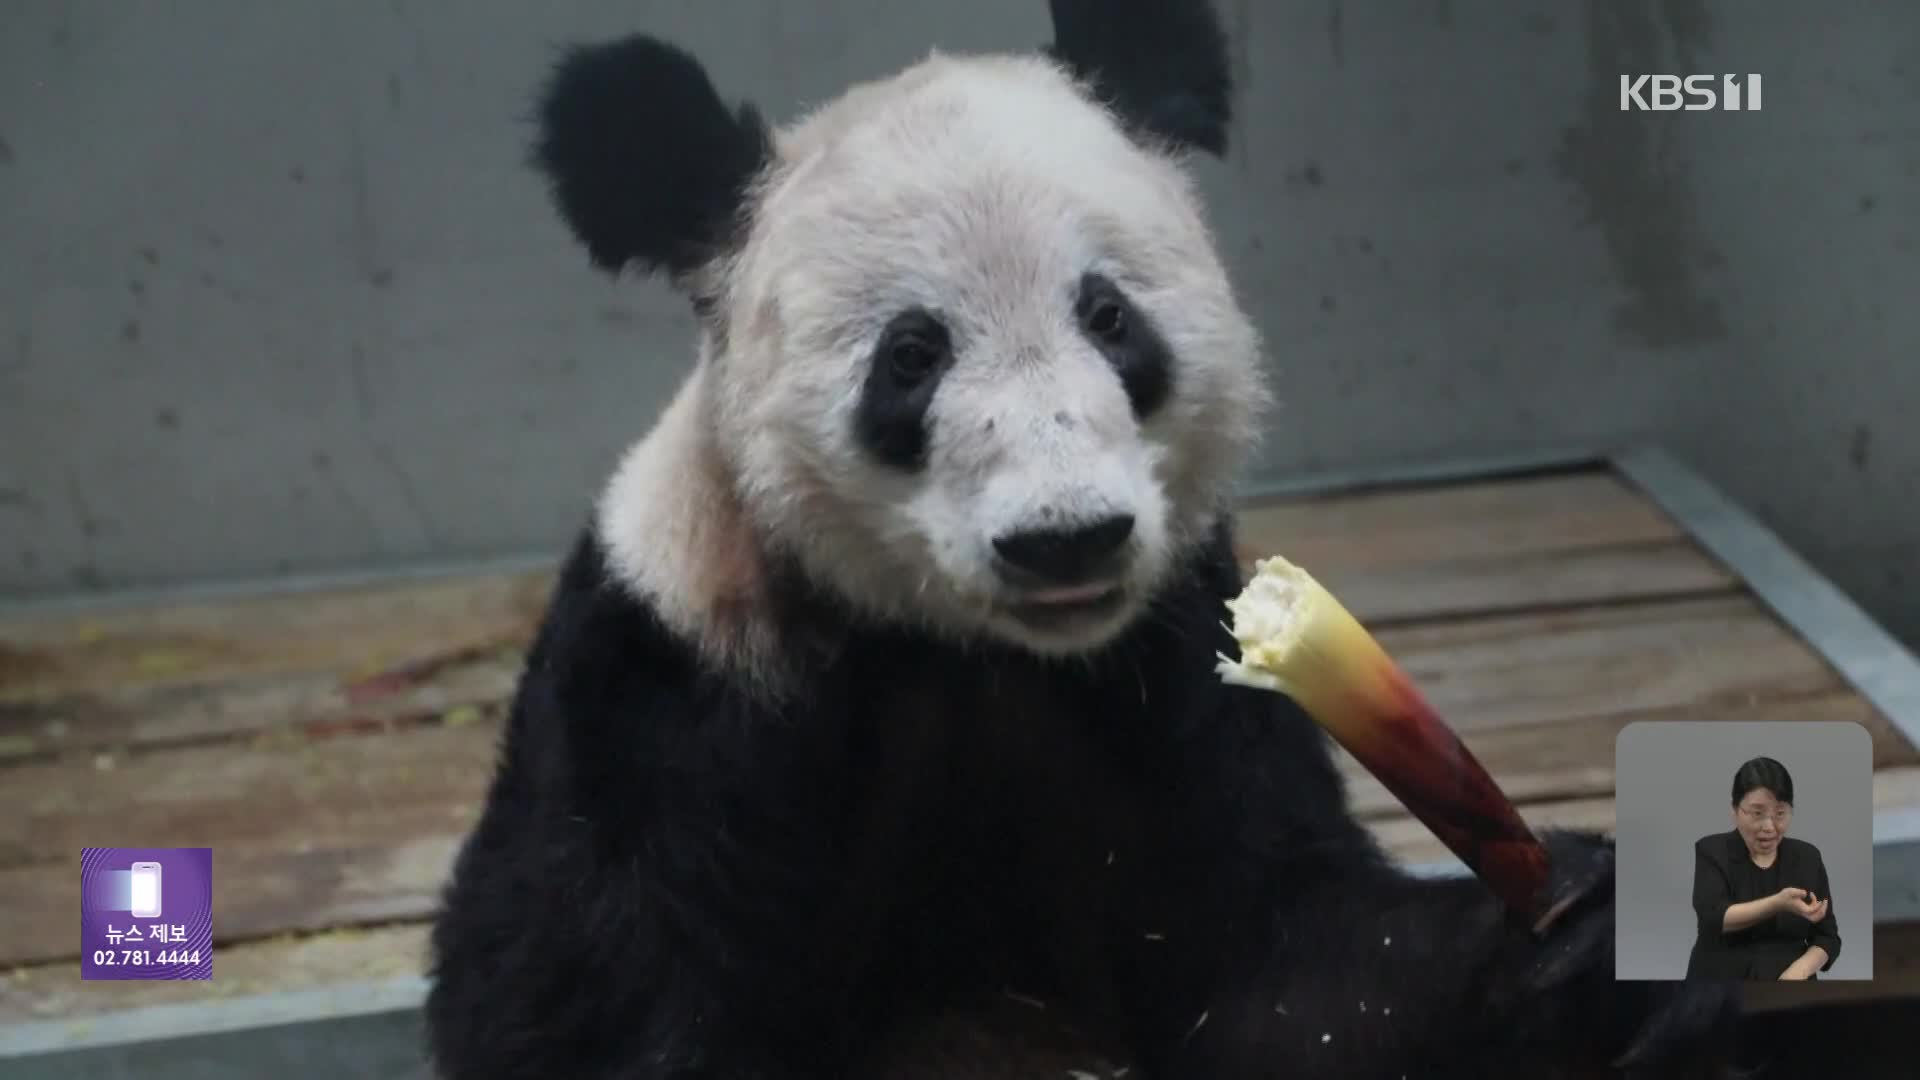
(146, 913)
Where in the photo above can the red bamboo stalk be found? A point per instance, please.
(1297, 639)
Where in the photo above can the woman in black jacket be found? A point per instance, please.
(1760, 897)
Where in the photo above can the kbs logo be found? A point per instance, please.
(1667, 93)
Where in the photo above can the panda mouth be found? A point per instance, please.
(1055, 608)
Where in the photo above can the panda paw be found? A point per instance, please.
(1566, 991)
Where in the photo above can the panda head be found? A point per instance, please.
(969, 358)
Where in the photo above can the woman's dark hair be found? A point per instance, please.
(1763, 772)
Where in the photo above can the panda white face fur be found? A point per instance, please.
(983, 369)
(969, 361)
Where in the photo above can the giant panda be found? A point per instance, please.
(879, 690)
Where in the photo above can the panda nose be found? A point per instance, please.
(1064, 556)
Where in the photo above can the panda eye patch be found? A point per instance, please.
(1129, 341)
(891, 421)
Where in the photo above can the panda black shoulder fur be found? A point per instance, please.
(881, 686)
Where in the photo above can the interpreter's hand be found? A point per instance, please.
(1819, 909)
(1791, 901)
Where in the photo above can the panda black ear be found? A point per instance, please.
(646, 163)
(1160, 64)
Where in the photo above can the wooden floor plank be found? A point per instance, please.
(1431, 588)
(1500, 516)
(1565, 666)
(354, 633)
(1501, 545)
(127, 719)
(273, 965)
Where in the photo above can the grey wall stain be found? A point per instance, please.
(1689, 25)
(6, 151)
(409, 493)
(1630, 180)
(414, 32)
(1896, 572)
(366, 230)
(344, 495)
(1240, 66)
(362, 388)
(1336, 33)
(90, 523)
(1240, 40)
(1860, 447)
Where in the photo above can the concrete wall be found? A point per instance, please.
(278, 296)
(1808, 409)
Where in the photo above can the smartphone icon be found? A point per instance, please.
(146, 890)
